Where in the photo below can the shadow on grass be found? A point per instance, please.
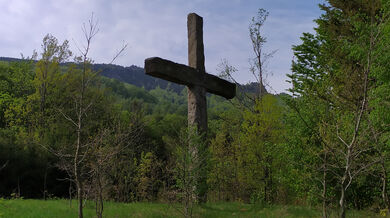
(256, 210)
(232, 207)
(297, 211)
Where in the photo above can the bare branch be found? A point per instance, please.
(4, 165)
(67, 117)
(118, 53)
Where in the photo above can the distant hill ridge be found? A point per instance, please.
(136, 76)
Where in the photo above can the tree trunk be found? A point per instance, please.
(344, 184)
(342, 202)
(80, 199)
(268, 181)
(70, 194)
(343, 188)
(76, 170)
(99, 196)
(385, 197)
(324, 188)
(18, 196)
(44, 184)
(270, 185)
(265, 184)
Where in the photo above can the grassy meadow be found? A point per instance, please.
(21, 208)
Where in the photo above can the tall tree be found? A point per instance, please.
(44, 100)
(83, 97)
(350, 34)
(258, 40)
(258, 64)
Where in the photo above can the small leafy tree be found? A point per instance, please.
(261, 136)
(147, 176)
(223, 177)
(191, 156)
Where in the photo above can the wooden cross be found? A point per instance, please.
(193, 76)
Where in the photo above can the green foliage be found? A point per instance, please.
(335, 109)
(127, 91)
(169, 102)
(223, 176)
(147, 177)
(261, 136)
(255, 29)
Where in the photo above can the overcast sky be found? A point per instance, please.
(158, 28)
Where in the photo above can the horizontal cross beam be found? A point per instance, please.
(182, 74)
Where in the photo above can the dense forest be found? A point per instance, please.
(67, 130)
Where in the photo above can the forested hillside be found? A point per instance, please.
(111, 133)
(136, 76)
(133, 75)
